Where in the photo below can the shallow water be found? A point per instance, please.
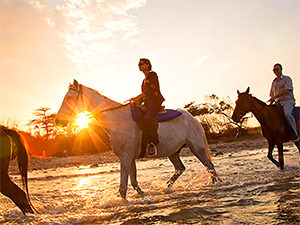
(254, 191)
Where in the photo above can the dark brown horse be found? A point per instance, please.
(273, 123)
(13, 145)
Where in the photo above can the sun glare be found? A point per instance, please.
(83, 119)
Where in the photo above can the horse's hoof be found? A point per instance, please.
(141, 192)
(280, 167)
(125, 201)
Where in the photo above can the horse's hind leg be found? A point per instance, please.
(297, 145)
(16, 194)
(179, 168)
(7, 187)
(133, 179)
(199, 151)
(280, 156)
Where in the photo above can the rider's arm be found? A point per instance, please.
(138, 98)
(282, 93)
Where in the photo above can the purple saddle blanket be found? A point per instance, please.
(165, 115)
(296, 113)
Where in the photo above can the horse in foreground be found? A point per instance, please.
(126, 136)
(13, 145)
(273, 123)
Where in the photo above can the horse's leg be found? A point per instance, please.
(7, 187)
(198, 150)
(16, 194)
(297, 145)
(133, 180)
(270, 152)
(125, 168)
(280, 155)
(179, 168)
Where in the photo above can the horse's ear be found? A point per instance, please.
(75, 83)
(238, 92)
(248, 90)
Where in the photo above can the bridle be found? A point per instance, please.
(78, 96)
(258, 108)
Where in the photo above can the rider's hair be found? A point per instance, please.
(278, 64)
(147, 61)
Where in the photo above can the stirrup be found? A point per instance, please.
(154, 147)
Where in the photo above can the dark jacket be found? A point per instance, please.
(150, 88)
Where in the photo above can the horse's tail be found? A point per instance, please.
(207, 150)
(22, 158)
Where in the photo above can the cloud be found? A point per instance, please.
(199, 62)
(91, 28)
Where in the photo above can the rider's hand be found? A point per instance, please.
(271, 100)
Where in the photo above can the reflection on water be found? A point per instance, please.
(253, 192)
(288, 203)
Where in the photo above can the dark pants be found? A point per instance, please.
(150, 124)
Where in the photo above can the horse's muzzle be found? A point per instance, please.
(236, 118)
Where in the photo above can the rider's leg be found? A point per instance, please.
(288, 109)
(150, 128)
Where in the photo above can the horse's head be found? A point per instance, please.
(71, 105)
(242, 105)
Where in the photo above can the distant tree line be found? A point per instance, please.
(215, 117)
(45, 139)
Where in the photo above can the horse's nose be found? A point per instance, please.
(235, 117)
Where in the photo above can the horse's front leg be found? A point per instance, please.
(280, 156)
(125, 167)
(270, 152)
(133, 179)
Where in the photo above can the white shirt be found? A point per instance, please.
(278, 85)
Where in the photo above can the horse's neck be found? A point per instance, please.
(259, 110)
(103, 109)
(97, 102)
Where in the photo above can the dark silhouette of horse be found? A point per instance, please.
(271, 118)
(13, 146)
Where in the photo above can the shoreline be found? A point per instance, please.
(109, 156)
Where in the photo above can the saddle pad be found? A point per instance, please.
(296, 113)
(165, 115)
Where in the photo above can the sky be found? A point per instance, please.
(196, 47)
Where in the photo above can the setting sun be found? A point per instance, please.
(83, 119)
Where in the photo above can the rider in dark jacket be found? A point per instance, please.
(151, 100)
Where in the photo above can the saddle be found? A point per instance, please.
(295, 113)
(163, 115)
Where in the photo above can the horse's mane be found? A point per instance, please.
(258, 100)
(99, 93)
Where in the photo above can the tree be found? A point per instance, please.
(43, 123)
(215, 114)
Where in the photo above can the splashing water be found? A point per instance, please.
(253, 192)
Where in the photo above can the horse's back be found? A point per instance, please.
(183, 125)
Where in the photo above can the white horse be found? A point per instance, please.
(126, 136)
